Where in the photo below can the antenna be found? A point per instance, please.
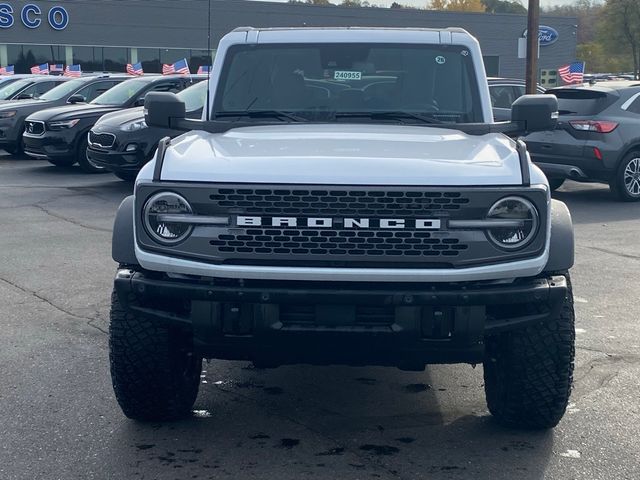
(211, 59)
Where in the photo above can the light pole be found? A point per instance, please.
(533, 27)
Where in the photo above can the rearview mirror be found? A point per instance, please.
(535, 113)
(163, 110)
(77, 99)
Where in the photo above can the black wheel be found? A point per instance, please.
(126, 176)
(626, 183)
(84, 161)
(154, 373)
(528, 373)
(62, 162)
(555, 183)
(18, 149)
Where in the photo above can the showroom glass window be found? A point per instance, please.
(150, 59)
(89, 58)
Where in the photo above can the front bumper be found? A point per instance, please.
(50, 145)
(275, 323)
(120, 161)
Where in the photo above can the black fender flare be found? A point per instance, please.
(123, 239)
(562, 244)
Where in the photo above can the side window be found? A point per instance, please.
(502, 96)
(519, 92)
(173, 87)
(635, 106)
(102, 87)
(38, 89)
(98, 88)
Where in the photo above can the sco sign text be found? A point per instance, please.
(32, 16)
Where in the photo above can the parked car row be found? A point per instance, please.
(98, 122)
(54, 124)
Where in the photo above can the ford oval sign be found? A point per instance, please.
(546, 35)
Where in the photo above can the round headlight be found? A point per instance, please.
(163, 230)
(519, 223)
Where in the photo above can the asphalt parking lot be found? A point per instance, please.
(59, 418)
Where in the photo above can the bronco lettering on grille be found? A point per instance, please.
(346, 223)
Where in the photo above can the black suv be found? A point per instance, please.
(29, 88)
(597, 138)
(123, 143)
(60, 134)
(78, 90)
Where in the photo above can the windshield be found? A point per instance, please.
(194, 96)
(63, 90)
(367, 82)
(121, 93)
(7, 91)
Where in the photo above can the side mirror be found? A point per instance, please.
(24, 96)
(163, 110)
(535, 113)
(139, 102)
(76, 99)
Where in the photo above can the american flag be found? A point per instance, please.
(135, 69)
(8, 70)
(56, 68)
(73, 71)
(572, 73)
(204, 69)
(181, 66)
(40, 69)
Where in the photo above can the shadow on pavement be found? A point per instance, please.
(331, 422)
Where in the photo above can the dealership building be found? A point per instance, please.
(105, 35)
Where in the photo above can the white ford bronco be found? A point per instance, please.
(345, 199)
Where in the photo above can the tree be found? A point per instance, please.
(620, 29)
(503, 6)
(351, 3)
(457, 5)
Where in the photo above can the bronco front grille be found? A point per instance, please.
(280, 227)
(309, 202)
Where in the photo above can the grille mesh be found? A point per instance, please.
(310, 202)
(34, 128)
(336, 242)
(105, 140)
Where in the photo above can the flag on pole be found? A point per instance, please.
(8, 70)
(56, 68)
(181, 67)
(73, 71)
(135, 69)
(40, 69)
(572, 73)
(204, 69)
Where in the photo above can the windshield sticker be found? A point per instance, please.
(465, 53)
(440, 60)
(347, 75)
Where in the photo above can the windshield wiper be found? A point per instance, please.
(393, 115)
(278, 114)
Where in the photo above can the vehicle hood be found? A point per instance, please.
(344, 154)
(119, 117)
(17, 104)
(69, 112)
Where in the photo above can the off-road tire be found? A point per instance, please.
(83, 161)
(155, 375)
(619, 185)
(528, 373)
(555, 183)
